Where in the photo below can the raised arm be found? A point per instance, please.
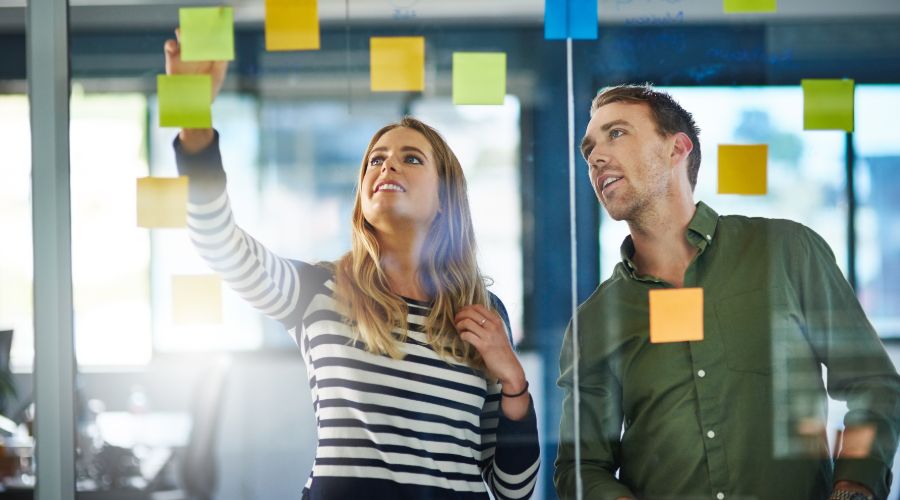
(268, 282)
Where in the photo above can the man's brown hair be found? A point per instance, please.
(669, 116)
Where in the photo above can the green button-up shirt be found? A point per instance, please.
(740, 414)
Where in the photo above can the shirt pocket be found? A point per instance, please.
(747, 321)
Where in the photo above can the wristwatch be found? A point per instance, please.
(849, 495)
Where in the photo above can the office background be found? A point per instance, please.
(294, 126)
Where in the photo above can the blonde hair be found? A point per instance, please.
(448, 270)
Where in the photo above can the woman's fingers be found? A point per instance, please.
(470, 325)
(472, 339)
(171, 47)
(491, 316)
(483, 319)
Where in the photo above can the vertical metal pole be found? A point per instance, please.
(850, 170)
(573, 249)
(54, 364)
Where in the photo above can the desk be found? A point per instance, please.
(150, 436)
(154, 430)
(28, 494)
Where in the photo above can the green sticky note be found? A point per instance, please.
(748, 6)
(828, 104)
(184, 100)
(207, 33)
(479, 77)
(742, 168)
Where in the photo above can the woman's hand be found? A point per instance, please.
(485, 330)
(194, 140)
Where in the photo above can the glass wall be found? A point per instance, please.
(162, 400)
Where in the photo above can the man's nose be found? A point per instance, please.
(597, 158)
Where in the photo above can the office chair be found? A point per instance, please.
(196, 465)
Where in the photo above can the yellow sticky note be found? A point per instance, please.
(184, 100)
(196, 299)
(479, 77)
(162, 201)
(743, 168)
(292, 25)
(397, 63)
(676, 315)
(206, 33)
(747, 6)
(827, 104)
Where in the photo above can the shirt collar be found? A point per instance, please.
(701, 232)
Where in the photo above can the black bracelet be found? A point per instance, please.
(523, 391)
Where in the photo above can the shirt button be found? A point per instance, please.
(720, 495)
(711, 434)
(701, 373)
(709, 238)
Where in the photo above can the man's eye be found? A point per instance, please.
(616, 133)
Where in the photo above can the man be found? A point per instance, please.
(740, 414)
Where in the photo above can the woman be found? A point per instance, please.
(417, 391)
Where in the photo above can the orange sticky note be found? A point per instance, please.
(397, 63)
(676, 315)
(743, 168)
(292, 25)
(162, 201)
(196, 299)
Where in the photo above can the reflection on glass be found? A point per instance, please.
(878, 217)
(806, 169)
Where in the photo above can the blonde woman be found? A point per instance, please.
(416, 388)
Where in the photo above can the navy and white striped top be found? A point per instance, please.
(419, 427)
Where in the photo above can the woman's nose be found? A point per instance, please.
(388, 164)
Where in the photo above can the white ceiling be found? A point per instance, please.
(493, 11)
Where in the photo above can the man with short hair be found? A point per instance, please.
(740, 414)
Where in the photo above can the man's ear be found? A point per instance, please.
(681, 148)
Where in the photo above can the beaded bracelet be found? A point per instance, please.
(523, 391)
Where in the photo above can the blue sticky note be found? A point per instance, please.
(575, 19)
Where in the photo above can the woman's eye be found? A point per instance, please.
(413, 159)
(375, 161)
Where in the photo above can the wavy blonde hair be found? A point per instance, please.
(448, 271)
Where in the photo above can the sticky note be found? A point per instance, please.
(196, 299)
(292, 25)
(743, 168)
(162, 202)
(479, 77)
(397, 63)
(749, 6)
(206, 33)
(827, 104)
(575, 19)
(676, 315)
(184, 100)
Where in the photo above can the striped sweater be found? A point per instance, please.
(414, 428)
